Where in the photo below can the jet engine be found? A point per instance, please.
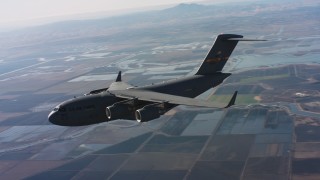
(120, 110)
(149, 112)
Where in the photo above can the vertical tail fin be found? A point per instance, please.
(219, 53)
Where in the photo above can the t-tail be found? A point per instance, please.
(220, 53)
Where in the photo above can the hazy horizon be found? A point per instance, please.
(34, 12)
(38, 12)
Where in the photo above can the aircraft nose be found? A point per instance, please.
(54, 118)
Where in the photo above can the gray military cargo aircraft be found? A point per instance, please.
(124, 101)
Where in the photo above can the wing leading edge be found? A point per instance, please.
(156, 97)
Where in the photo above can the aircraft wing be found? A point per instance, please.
(168, 98)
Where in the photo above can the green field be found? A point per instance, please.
(241, 98)
(261, 78)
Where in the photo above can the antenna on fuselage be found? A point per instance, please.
(119, 77)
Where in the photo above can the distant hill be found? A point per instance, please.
(185, 8)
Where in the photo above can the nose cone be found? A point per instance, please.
(54, 118)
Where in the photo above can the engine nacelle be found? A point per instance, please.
(148, 113)
(120, 110)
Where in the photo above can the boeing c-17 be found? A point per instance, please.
(123, 101)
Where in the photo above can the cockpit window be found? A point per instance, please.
(62, 109)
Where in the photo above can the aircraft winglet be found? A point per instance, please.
(232, 100)
(119, 77)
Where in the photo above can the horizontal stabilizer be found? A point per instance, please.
(242, 39)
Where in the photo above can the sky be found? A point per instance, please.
(20, 10)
